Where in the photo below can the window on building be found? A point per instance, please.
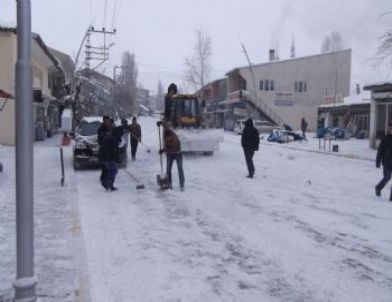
(300, 86)
(267, 88)
(267, 85)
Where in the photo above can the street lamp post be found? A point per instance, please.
(25, 282)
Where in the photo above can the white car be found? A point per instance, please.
(261, 126)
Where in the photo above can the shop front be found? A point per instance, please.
(380, 111)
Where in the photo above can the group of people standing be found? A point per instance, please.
(113, 142)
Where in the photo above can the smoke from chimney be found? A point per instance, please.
(272, 55)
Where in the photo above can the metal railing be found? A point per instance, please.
(258, 103)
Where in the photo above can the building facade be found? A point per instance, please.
(287, 90)
(45, 93)
(352, 114)
(210, 97)
(95, 97)
(380, 111)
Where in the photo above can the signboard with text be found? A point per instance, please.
(284, 99)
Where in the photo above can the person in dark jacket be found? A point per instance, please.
(250, 141)
(108, 155)
(135, 132)
(304, 127)
(171, 90)
(102, 130)
(172, 147)
(384, 156)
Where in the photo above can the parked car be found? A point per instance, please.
(261, 126)
(86, 148)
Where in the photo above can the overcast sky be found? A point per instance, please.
(161, 34)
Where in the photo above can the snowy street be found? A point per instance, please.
(308, 227)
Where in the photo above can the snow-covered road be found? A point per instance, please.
(307, 228)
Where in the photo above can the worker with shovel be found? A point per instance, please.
(172, 147)
(135, 133)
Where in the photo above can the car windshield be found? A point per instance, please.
(88, 129)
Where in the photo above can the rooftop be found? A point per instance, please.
(290, 60)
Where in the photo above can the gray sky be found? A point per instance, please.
(161, 34)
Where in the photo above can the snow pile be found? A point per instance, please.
(200, 140)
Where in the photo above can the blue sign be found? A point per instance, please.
(284, 103)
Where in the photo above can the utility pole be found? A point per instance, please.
(26, 281)
(97, 53)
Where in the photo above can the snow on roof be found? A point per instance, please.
(355, 99)
(236, 69)
(7, 24)
(11, 27)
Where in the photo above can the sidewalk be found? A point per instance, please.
(58, 244)
(352, 148)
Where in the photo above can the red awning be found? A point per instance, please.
(5, 95)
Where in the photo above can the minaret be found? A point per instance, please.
(292, 53)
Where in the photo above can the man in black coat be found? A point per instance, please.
(250, 141)
(171, 90)
(102, 130)
(108, 155)
(384, 156)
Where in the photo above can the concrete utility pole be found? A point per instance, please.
(25, 280)
(97, 53)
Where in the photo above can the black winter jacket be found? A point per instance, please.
(250, 139)
(108, 150)
(102, 130)
(384, 152)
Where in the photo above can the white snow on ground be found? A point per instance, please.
(308, 227)
(59, 256)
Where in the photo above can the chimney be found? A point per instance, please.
(358, 89)
(272, 55)
(292, 49)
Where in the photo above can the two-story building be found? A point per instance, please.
(284, 91)
(210, 97)
(43, 63)
(96, 94)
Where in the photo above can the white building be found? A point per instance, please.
(288, 90)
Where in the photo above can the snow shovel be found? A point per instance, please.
(144, 145)
(162, 179)
(139, 185)
(62, 167)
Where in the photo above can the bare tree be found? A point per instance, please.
(198, 66)
(385, 48)
(160, 98)
(127, 90)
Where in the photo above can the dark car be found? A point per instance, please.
(86, 148)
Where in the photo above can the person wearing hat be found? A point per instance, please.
(250, 141)
(135, 132)
(172, 147)
(171, 90)
(384, 157)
